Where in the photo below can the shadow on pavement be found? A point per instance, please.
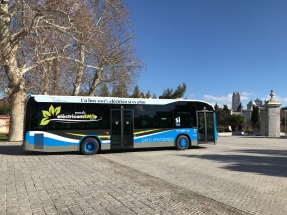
(18, 150)
(264, 152)
(265, 162)
(146, 150)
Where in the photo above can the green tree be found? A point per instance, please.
(4, 109)
(226, 109)
(169, 93)
(148, 95)
(136, 92)
(255, 117)
(104, 91)
(221, 117)
(154, 96)
(180, 91)
(120, 91)
(235, 120)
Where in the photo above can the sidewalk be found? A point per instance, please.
(68, 183)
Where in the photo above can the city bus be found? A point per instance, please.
(89, 124)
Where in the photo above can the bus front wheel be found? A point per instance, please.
(90, 146)
(182, 142)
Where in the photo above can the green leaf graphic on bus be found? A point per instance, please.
(44, 121)
(52, 112)
(46, 113)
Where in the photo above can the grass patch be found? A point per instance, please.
(3, 137)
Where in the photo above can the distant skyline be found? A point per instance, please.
(215, 47)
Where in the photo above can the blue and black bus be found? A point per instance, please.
(89, 124)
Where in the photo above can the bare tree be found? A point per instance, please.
(43, 41)
(104, 40)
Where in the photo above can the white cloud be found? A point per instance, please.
(219, 100)
(226, 99)
(244, 98)
(191, 95)
(244, 93)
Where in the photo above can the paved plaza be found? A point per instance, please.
(239, 175)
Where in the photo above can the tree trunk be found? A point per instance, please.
(56, 79)
(77, 84)
(16, 90)
(17, 94)
(44, 79)
(16, 102)
(96, 82)
(80, 73)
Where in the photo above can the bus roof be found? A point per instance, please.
(107, 100)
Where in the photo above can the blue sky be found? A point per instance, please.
(215, 47)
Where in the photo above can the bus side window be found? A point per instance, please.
(185, 116)
(163, 116)
(143, 117)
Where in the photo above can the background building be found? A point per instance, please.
(235, 101)
(258, 102)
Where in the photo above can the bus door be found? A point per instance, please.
(205, 125)
(122, 133)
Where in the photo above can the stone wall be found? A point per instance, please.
(4, 124)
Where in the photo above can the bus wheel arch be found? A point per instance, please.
(89, 146)
(182, 142)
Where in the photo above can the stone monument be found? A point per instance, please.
(270, 117)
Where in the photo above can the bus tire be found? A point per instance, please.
(182, 142)
(90, 146)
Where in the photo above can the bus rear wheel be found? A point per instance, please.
(182, 142)
(90, 146)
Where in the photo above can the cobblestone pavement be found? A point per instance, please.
(247, 173)
(237, 176)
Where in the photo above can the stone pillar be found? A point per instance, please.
(263, 121)
(270, 117)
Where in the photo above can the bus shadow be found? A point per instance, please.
(115, 151)
(252, 161)
(17, 150)
(147, 150)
